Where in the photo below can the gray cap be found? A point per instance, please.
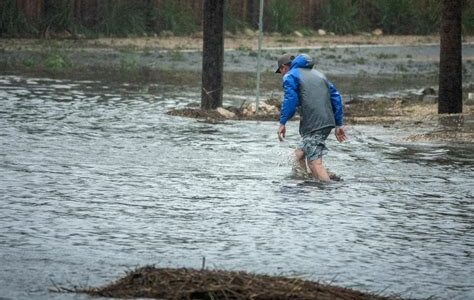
(284, 60)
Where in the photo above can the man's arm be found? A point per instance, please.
(290, 98)
(336, 102)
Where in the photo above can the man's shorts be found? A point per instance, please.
(314, 144)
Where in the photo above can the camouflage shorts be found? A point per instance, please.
(314, 144)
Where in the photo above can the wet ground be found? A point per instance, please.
(96, 178)
(358, 57)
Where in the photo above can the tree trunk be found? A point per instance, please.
(213, 54)
(450, 65)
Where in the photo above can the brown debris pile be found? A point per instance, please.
(266, 112)
(166, 283)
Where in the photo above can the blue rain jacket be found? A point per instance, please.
(319, 101)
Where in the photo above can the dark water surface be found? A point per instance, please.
(96, 179)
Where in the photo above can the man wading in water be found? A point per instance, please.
(320, 111)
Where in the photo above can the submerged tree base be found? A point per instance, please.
(167, 283)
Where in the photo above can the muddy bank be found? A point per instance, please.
(151, 282)
(398, 112)
(335, 56)
(357, 65)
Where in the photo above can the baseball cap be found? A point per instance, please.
(283, 60)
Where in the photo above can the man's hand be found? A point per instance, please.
(340, 134)
(281, 132)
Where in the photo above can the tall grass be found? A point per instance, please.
(231, 22)
(12, 21)
(281, 16)
(121, 18)
(176, 18)
(136, 17)
(393, 16)
(396, 16)
(428, 19)
(468, 18)
(340, 16)
(58, 16)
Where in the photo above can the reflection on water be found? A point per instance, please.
(97, 179)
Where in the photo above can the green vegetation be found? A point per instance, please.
(58, 17)
(401, 68)
(29, 63)
(231, 22)
(468, 20)
(129, 63)
(176, 55)
(285, 40)
(121, 18)
(281, 16)
(339, 16)
(396, 16)
(428, 17)
(360, 61)
(71, 18)
(244, 48)
(55, 61)
(12, 21)
(385, 56)
(176, 18)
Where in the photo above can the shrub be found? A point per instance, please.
(427, 19)
(12, 21)
(29, 63)
(231, 23)
(176, 18)
(280, 16)
(129, 63)
(58, 15)
(339, 16)
(121, 17)
(396, 16)
(55, 62)
(468, 18)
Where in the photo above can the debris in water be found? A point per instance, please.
(167, 283)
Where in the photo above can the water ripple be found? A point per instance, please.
(97, 178)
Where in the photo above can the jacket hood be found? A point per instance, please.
(302, 61)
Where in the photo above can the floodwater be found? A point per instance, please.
(96, 179)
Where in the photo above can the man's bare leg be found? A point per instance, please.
(299, 159)
(299, 164)
(318, 170)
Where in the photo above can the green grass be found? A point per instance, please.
(55, 61)
(136, 18)
(121, 18)
(58, 16)
(396, 17)
(29, 63)
(244, 48)
(176, 18)
(401, 68)
(385, 55)
(13, 22)
(231, 22)
(285, 40)
(360, 61)
(339, 16)
(176, 55)
(281, 16)
(129, 63)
